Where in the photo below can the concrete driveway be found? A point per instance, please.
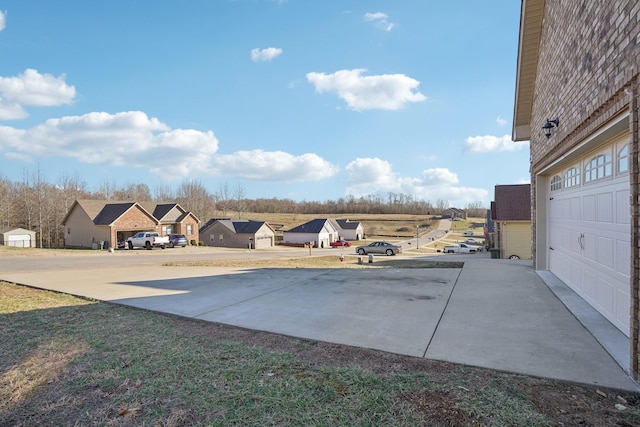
(497, 314)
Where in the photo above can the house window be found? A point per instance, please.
(69, 230)
(572, 177)
(597, 168)
(623, 159)
(212, 238)
(189, 229)
(167, 229)
(221, 238)
(556, 183)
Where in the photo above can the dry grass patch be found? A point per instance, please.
(67, 361)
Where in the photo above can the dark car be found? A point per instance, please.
(177, 240)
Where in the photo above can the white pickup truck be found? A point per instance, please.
(462, 248)
(148, 240)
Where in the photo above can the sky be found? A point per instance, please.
(290, 99)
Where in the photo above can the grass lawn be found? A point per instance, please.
(71, 361)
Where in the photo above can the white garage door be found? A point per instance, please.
(589, 241)
(20, 240)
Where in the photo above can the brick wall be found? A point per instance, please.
(589, 55)
(589, 60)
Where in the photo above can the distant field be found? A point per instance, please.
(399, 225)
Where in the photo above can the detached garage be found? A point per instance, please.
(18, 237)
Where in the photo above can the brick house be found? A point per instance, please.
(89, 222)
(511, 214)
(579, 63)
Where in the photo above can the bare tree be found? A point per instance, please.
(223, 198)
(194, 197)
(240, 202)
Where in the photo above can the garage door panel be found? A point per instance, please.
(605, 207)
(623, 258)
(623, 307)
(589, 208)
(589, 246)
(605, 296)
(592, 252)
(605, 251)
(589, 281)
(623, 214)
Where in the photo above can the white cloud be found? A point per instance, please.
(380, 20)
(3, 19)
(11, 111)
(133, 139)
(382, 92)
(274, 166)
(267, 54)
(32, 88)
(375, 176)
(490, 143)
(501, 121)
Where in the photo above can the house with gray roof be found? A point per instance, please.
(348, 229)
(228, 233)
(102, 223)
(320, 231)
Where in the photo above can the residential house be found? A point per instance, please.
(228, 233)
(319, 231)
(19, 237)
(101, 223)
(348, 229)
(577, 102)
(454, 213)
(511, 213)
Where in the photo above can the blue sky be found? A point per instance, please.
(298, 99)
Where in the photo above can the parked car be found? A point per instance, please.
(147, 240)
(338, 243)
(177, 240)
(468, 233)
(379, 248)
(462, 248)
(472, 241)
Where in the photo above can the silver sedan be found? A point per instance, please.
(379, 248)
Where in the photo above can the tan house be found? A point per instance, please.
(511, 214)
(101, 223)
(227, 233)
(577, 101)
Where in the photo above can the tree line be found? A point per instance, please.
(38, 205)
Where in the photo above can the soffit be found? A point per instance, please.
(528, 51)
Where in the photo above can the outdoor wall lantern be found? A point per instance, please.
(549, 125)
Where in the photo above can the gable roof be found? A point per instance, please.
(239, 226)
(105, 212)
(313, 226)
(347, 224)
(111, 212)
(512, 203)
